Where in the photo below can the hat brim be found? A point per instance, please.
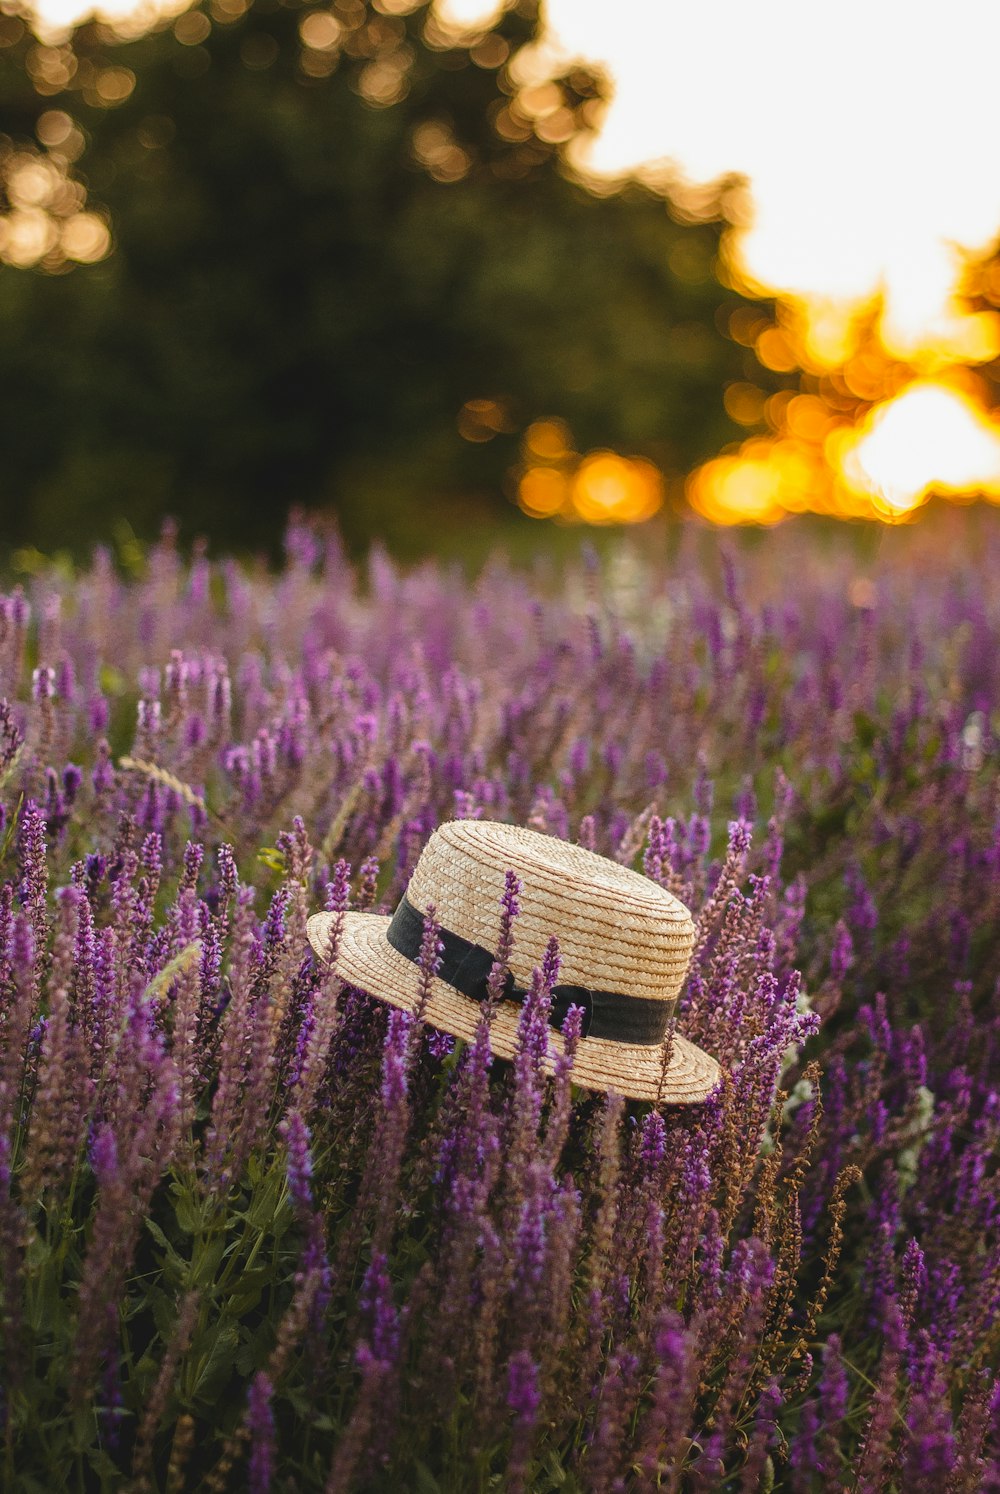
(366, 959)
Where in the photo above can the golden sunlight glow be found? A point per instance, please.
(130, 17)
(46, 223)
(762, 485)
(544, 492)
(468, 15)
(867, 141)
(929, 439)
(610, 489)
(866, 146)
(600, 488)
(548, 439)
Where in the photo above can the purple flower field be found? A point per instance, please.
(260, 1232)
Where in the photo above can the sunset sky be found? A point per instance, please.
(867, 135)
(867, 138)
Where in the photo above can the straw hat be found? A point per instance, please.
(624, 944)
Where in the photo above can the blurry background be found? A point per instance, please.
(443, 270)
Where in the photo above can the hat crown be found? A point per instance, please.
(617, 930)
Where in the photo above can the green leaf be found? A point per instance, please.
(426, 1482)
(865, 728)
(207, 1261)
(173, 1260)
(112, 681)
(219, 1362)
(186, 1210)
(163, 1306)
(38, 1253)
(264, 1204)
(552, 1464)
(158, 1235)
(248, 1291)
(254, 1351)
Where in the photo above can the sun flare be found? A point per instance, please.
(930, 439)
(867, 151)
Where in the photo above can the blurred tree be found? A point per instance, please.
(332, 229)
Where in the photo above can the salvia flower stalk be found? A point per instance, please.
(260, 1230)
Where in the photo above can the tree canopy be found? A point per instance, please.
(332, 229)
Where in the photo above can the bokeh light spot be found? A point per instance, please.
(929, 439)
(434, 146)
(544, 492)
(112, 86)
(54, 128)
(225, 12)
(744, 403)
(761, 484)
(775, 351)
(481, 419)
(611, 489)
(192, 28)
(320, 30)
(85, 238)
(26, 236)
(548, 439)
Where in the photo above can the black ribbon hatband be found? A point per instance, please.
(466, 967)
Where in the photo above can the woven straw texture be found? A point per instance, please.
(617, 931)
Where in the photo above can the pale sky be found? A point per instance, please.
(868, 131)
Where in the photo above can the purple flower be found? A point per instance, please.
(299, 1162)
(379, 1312)
(260, 1425)
(509, 908)
(523, 1402)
